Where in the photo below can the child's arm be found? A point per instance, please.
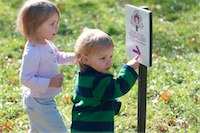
(28, 77)
(110, 88)
(126, 78)
(66, 58)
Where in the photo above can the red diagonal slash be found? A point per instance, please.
(137, 51)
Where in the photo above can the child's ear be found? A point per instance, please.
(84, 59)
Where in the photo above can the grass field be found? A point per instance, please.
(173, 84)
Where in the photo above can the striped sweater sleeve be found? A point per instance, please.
(110, 88)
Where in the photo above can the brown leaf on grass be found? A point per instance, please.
(182, 122)
(11, 80)
(165, 96)
(185, 125)
(171, 122)
(67, 99)
(6, 126)
(161, 128)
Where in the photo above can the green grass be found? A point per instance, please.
(175, 69)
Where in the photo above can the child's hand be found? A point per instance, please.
(56, 81)
(134, 63)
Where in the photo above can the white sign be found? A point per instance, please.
(138, 34)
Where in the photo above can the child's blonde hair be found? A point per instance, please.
(89, 42)
(32, 14)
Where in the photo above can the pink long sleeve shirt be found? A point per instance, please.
(39, 65)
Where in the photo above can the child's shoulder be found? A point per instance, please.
(31, 49)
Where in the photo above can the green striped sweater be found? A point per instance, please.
(95, 102)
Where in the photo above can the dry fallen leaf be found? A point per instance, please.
(67, 99)
(171, 122)
(165, 96)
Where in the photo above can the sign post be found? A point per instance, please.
(139, 41)
(142, 88)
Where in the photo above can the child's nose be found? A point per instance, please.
(109, 62)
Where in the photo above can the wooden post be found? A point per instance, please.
(142, 87)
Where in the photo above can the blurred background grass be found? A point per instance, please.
(175, 70)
